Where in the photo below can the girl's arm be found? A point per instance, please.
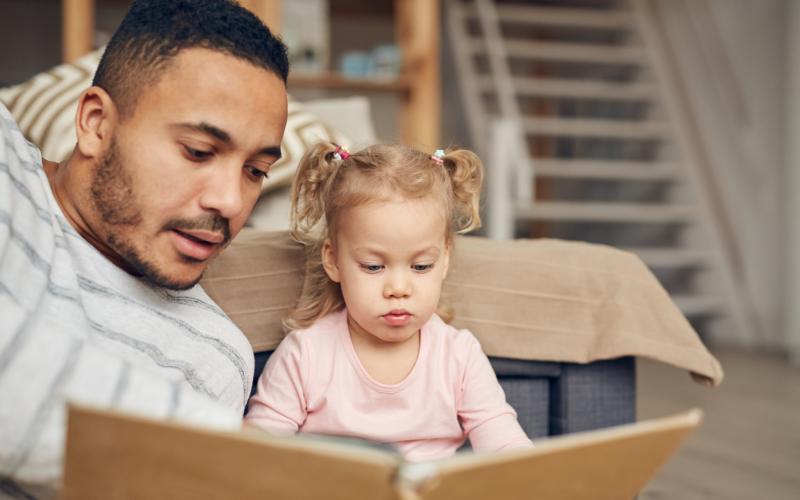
(279, 404)
(489, 421)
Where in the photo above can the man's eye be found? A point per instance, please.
(372, 268)
(422, 268)
(196, 154)
(257, 173)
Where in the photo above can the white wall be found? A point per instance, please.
(731, 56)
(792, 184)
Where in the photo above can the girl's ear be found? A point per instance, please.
(94, 122)
(329, 261)
(446, 260)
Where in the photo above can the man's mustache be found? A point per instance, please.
(210, 222)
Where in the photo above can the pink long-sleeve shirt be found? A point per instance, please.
(315, 383)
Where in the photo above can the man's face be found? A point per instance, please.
(183, 172)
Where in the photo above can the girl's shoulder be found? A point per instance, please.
(450, 336)
(454, 350)
(321, 331)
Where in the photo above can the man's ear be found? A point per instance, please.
(329, 261)
(95, 121)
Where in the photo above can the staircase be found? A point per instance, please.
(577, 113)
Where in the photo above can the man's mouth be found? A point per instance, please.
(197, 244)
(202, 236)
(397, 317)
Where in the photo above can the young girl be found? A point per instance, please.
(368, 355)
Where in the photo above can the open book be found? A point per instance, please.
(113, 456)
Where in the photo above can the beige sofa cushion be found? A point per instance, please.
(45, 105)
(546, 300)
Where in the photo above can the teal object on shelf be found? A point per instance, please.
(356, 64)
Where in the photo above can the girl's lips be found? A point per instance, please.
(190, 246)
(397, 317)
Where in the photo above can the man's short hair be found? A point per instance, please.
(154, 31)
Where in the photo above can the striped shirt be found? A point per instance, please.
(73, 326)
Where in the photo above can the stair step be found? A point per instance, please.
(574, 211)
(673, 257)
(554, 16)
(571, 52)
(606, 170)
(585, 127)
(586, 89)
(693, 305)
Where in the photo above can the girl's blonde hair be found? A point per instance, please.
(328, 181)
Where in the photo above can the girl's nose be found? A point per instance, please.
(397, 285)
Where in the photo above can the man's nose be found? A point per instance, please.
(397, 285)
(222, 191)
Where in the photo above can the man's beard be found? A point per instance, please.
(115, 200)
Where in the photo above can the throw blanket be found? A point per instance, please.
(546, 300)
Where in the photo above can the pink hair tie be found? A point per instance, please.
(438, 157)
(341, 153)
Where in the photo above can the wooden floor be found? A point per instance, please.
(749, 444)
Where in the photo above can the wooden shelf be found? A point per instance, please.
(337, 81)
(416, 32)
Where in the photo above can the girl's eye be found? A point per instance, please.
(197, 154)
(422, 268)
(257, 173)
(372, 268)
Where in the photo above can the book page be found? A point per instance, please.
(608, 464)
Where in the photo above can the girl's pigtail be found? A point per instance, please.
(466, 175)
(315, 172)
(315, 175)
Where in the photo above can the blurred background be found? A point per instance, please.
(665, 127)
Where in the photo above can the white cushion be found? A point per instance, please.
(349, 115)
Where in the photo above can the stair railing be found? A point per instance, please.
(520, 169)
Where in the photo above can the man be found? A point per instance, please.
(100, 255)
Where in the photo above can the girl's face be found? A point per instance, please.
(390, 258)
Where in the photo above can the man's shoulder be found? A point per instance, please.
(191, 317)
(194, 297)
(5, 114)
(25, 208)
(195, 309)
(8, 126)
(14, 144)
